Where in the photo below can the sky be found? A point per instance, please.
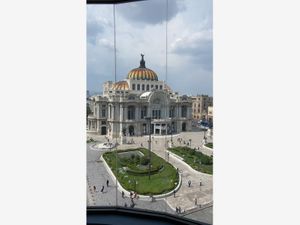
(141, 28)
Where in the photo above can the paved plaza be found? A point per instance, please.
(97, 175)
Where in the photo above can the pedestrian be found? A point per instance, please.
(95, 190)
(107, 183)
(132, 201)
(174, 193)
(123, 194)
(132, 205)
(189, 183)
(176, 209)
(125, 205)
(200, 183)
(141, 144)
(195, 201)
(179, 209)
(102, 189)
(130, 194)
(177, 170)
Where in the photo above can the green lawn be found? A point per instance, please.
(210, 145)
(163, 174)
(196, 160)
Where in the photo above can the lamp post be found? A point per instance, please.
(148, 119)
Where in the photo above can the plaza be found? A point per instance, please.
(201, 210)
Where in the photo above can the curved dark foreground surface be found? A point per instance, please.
(129, 216)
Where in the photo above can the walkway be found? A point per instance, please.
(97, 176)
(185, 196)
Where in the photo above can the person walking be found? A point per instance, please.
(174, 193)
(95, 190)
(200, 183)
(189, 183)
(107, 183)
(195, 201)
(123, 194)
(102, 189)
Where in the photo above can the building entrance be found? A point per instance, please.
(131, 130)
(103, 130)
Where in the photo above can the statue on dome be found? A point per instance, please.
(142, 62)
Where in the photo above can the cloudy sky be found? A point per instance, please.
(141, 28)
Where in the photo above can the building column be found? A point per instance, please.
(121, 124)
(98, 126)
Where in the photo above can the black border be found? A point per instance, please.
(132, 213)
(110, 1)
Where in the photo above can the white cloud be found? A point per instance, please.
(150, 12)
(189, 41)
(106, 43)
(192, 41)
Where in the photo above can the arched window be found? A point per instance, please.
(143, 87)
(138, 87)
(147, 88)
(133, 86)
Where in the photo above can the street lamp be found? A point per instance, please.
(148, 119)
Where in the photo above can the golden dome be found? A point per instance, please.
(121, 85)
(142, 73)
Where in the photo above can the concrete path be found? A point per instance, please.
(185, 196)
(97, 176)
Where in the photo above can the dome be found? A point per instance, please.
(142, 73)
(121, 85)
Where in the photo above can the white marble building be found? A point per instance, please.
(124, 106)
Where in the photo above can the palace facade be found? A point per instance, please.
(139, 104)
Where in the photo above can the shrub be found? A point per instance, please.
(193, 151)
(144, 160)
(132, 156)
(137, 159)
